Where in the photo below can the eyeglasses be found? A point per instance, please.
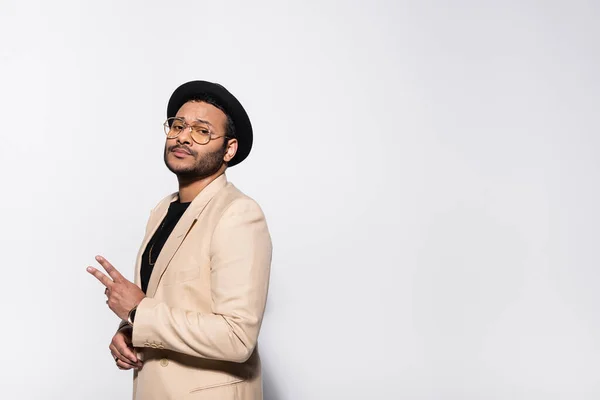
(200, 133)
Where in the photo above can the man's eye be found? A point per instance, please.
(201, 130)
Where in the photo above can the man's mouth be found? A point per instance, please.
(181, 151)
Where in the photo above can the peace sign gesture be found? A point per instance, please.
(122, 294)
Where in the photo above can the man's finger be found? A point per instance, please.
(105, 280)
(112, 271)
(123, 349)
(128, 353)
(123, 365)
(123, 360)
(122, 357)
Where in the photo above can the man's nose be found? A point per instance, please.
(185, 136)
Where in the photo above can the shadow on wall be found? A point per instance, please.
(269, 387)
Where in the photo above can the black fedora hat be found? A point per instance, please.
(224, 99)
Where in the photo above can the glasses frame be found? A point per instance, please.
(169, 122)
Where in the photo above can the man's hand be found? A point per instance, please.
(122, 351)
(122, 294)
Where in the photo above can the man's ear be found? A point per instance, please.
(232, 146)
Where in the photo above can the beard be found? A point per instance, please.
(203, 167)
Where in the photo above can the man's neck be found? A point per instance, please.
(189, 189)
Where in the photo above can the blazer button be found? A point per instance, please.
(164, 362)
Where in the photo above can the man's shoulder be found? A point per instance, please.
(232, 208)
(232, 197)
(231, 193)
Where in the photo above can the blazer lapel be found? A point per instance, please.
(155, 220)
(187, 221)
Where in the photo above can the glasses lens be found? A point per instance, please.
(173, 127)
(200, 133)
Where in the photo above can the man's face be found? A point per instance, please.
(188, 159)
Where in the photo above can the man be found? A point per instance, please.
(191, 320)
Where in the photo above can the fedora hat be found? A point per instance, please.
(224, 99)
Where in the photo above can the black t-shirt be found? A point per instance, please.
(155, 245)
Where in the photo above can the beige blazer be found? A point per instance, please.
(197, 329)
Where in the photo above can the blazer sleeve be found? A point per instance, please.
(241, 252)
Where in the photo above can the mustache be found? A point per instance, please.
(183, 148)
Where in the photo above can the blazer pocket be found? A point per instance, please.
(182, 276)
(221, 385)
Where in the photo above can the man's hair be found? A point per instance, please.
(229, 126)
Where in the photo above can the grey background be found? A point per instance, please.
(428, 169)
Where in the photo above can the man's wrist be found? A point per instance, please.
(131, 316)
(123, 326)
(131, 313)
